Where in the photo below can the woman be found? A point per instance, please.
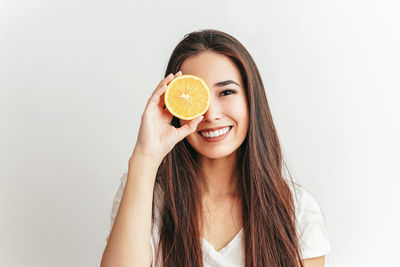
(207, 203)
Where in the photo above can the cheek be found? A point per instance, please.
(243, 124)
(240, 113)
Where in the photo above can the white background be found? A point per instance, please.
(75, 77)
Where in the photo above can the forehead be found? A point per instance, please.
(212, 68)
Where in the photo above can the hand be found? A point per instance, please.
(157, 136)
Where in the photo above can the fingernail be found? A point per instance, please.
(179, 72)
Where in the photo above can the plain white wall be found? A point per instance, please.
(75, 77)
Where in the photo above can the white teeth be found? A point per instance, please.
(215, 133)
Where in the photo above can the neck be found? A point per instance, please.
(221, 176)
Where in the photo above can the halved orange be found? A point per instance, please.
(187, 97)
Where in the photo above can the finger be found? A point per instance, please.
(189, 128)
(167, 116)
(163, 81)
(167, 80)
(179, 73)
(163, 86)
(159, 87)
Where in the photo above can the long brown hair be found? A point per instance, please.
(268, 211)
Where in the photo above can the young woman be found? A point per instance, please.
(188, 200)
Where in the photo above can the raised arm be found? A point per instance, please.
(129, 240)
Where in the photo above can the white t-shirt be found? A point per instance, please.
(313, 235)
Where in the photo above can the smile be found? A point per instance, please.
(216, 135)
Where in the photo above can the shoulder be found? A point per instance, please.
(310, 223)
(305, 202)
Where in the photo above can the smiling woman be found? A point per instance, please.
(211, 191)
(218, 70)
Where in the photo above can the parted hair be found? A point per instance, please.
(268, 210)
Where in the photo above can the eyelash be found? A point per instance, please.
(229, 90)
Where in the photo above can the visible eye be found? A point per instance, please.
(228, 92)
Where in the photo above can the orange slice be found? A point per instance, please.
(187, 97)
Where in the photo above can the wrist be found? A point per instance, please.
(138, 157)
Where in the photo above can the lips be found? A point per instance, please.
(215, 134)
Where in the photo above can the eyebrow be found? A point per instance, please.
(220, 84)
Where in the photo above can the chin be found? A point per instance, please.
(214, 153)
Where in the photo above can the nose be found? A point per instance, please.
(213, 112)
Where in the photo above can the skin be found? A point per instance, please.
(132, 226)
(218, 160)
(314, 262)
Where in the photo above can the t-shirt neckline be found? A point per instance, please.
(227, 245)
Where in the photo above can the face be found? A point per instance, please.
(224, 126)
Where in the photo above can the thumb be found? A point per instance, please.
(189, 128)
